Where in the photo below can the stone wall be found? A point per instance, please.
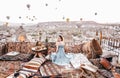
(91, 49)
(23, 47)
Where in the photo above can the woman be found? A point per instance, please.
(60, 57)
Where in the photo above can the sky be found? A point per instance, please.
(103, 11)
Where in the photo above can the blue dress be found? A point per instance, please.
(60, 57)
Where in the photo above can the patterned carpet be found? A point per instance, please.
(8, 67)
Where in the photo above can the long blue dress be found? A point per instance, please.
(60, 57)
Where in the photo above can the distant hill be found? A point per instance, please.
(16, 24)
(79, 23)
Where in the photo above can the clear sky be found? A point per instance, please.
(59, 10)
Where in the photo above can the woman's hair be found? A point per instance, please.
(61, 37)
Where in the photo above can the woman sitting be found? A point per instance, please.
(60, 57)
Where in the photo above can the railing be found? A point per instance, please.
(111, 44)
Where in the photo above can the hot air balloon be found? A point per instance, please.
(67, 20)
(28, 6)
(8, 17)
(81, 19)
(26, 16)
(32, 19)
(63, 18)
(6, 24)
(19, 17)
(29, 18)
(46, 4)
(56, 8)
(95, 13)
(33, 16)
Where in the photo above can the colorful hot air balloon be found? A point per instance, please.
(6, 24)
(28, 6)
(67, 20)
(8, 17)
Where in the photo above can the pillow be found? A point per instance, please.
(24, 74)
(13, 53)
(50, 69)
(21, 74)
(105, 63)
(107, 54)
(34, 64)
(90, 67)
(17, 57)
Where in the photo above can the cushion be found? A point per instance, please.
(106, 73)
(17, 57)
(34, 64)
(107, 54)
(13, 53)
(24, 74)
(106, 64)
(96, 62)
(21, 74)
(50, 69)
